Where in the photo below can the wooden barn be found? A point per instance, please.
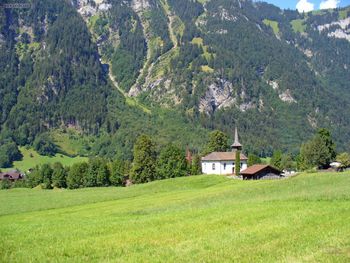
(260, 171)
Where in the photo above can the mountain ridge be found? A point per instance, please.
(276, 73)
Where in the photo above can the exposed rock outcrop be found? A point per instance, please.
(218, 95)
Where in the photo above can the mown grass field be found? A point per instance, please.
(193, 219)
(31, 158)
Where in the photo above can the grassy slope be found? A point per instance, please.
(37, 159)
(298, 25)
(273, 25)
(196, 219)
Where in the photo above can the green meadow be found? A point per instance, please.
(192, 219)
(31, 158)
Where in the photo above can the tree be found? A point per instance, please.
(218, 142)
(117, 173)
(344, 159)
(276, 160)
(46, 175)
(102, 178)
(328, 142)
(171, 163)
(44, 145)
(238, 163)
(90, 178)
(318, 152)
(59, 175)
(35, 177)
(9, 152)
(143, 167)
(76, 175)
(287, 162)
(253, 159)
(196, 168)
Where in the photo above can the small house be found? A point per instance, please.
(260, 171)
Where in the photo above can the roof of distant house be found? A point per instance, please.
(11, 175)
(254, 169)
(223, 156)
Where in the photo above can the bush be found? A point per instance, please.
(5, 184)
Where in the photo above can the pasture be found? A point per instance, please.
(192, 219)
(31, 158)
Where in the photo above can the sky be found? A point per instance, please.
(308, 5)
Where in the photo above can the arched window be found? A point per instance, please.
(224, 166)
(213, 166)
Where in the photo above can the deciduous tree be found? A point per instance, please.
(144, 164)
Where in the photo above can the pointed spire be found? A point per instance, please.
(236, 145)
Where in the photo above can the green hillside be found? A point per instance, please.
(196, 219)
(31, 158)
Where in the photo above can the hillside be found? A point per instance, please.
(204, 218)
(114, 69)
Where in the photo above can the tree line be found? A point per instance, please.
(148, 165)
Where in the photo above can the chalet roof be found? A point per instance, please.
(11, 175)
(223, 156)
(254, 169)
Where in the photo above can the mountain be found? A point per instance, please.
(176, 69)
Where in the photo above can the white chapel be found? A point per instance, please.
(223, 163)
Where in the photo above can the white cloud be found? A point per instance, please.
(305, 6)
(327, 4)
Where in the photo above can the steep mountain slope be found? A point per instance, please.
(278, 74)
(228, 62)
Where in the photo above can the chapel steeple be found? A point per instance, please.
(236, 146)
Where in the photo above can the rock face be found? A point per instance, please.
(86, 9)
(286, 96)
(218, 95)
(140, 5)
(343, 30)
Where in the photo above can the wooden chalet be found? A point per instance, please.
(260, 171)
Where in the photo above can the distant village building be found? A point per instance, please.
(223, 163)
(11, 175)
(260, 171)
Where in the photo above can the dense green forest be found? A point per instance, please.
(195, 66)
